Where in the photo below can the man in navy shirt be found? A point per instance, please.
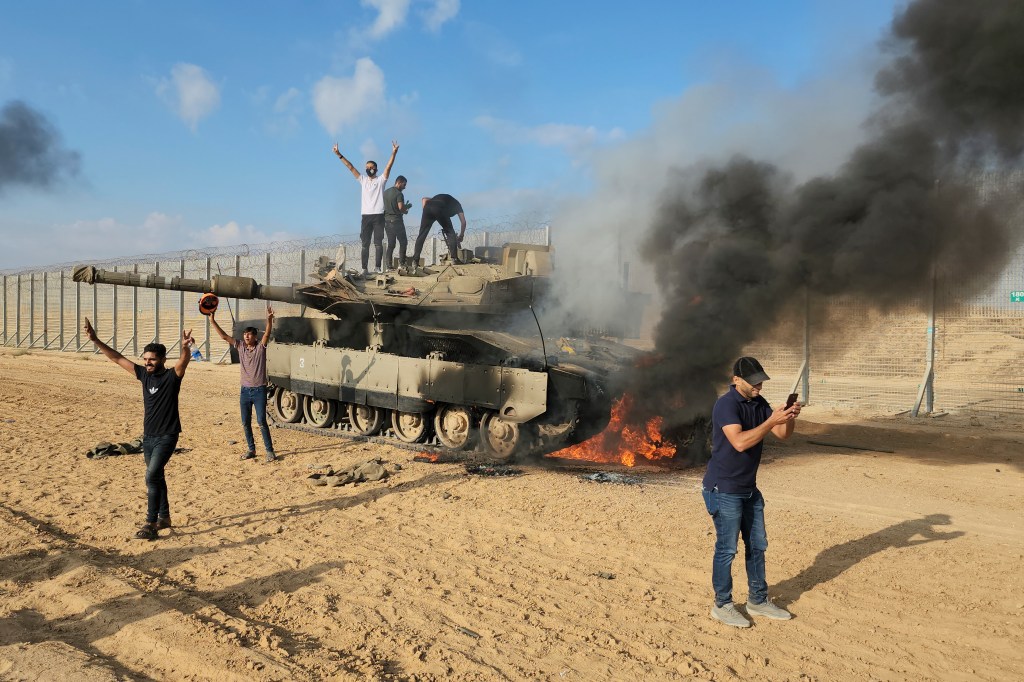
(160, 425)
(740, 421)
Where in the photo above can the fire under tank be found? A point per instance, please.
(453, 359)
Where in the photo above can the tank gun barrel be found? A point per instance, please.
(225, 286)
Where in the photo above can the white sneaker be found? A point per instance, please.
(728, 614)
(768, 610)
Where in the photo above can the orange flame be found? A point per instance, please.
(621, 442)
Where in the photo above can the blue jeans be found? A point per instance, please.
(156, 451)
(736, 515)
(255, 396)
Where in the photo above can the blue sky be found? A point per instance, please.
(209, 124)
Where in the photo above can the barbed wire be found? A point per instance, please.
(492, 224)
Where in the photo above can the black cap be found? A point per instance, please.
(750, 370)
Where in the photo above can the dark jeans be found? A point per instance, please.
(372, 226)
(447, 229)
(157, 450)
(255, 396)
(395, 229)
(736, 515)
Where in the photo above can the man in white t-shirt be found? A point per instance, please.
(372, 206)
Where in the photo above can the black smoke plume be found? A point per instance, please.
(31, 150)
(733, 245)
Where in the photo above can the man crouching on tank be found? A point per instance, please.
(161, 424)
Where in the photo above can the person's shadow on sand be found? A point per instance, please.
(831, 562)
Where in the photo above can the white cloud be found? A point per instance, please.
(391, 15)
(441, 12)
(190, 93)
(233, 234)
(341, 102)
(574, 139)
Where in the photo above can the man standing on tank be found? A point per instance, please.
(395, 208)
(161, 424)
(252, 358)
(740, 421)
(439, 209)
(372, 206)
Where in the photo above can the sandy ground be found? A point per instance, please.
(902, 566)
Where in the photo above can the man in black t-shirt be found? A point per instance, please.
(740, 422)
(395, 208)
(161, 423)
(439, 209)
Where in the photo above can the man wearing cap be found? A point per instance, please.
(252, 358)
(740, 421)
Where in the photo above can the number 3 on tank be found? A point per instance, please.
(302, 362)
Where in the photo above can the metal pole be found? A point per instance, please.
(17, 313)
(807, 347)
(46, 310)
(5, 310)
(135, 315)
(61, 308)
(238, 273)
(31, 309)
(433, 250)
(926, 393)
(181, 304)
(78, 316)
(302, 276)
(156, 306)
(113, 314)
(206, 346)
(547, 235)
(95, 307)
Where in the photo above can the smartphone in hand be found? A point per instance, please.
(791, 399)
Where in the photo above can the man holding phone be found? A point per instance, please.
(740, 422)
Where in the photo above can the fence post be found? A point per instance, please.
(807, 347)
(17, 313)
(78, 316)
(46, 310)
(113, 314)
(135, 315)
(181, 301)
(487, 238)
(60, 307)
(156, 306)
(926, 393)
(547, 235)
(95, 308)
(31, 309)
(5, 310)
(433, 250)
(302, 276)
(238, 273)
(206, 354)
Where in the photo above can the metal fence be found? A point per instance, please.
(954, 350)
(43, 308)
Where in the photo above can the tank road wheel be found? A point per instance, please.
(453, 425)
(410, 427)
(286, 406)
(366, 420)
(320, 412)
(503, 439)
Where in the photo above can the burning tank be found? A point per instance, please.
(455, 359)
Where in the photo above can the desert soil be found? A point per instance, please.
(898, 566)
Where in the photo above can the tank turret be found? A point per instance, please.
(453, 358)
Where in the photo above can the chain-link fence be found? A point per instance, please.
(44, 308)
(950, 350)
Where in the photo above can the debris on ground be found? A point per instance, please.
(492, 470)
(132, 447)
(361, 472)
(606, 575)
(609, 477)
